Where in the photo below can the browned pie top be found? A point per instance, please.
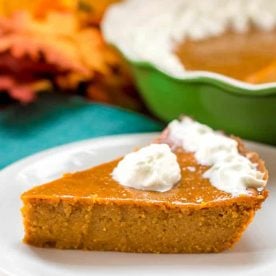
(97, 183)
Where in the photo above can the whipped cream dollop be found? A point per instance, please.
(153, 168)
(229, 171)
(150, 30)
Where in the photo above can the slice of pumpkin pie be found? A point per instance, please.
(193, 190)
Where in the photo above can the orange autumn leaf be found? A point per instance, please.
(36, 7)
(60, 50)
(86, 10)
(69, 47)
(77, 52)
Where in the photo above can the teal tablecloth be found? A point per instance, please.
(56, 120)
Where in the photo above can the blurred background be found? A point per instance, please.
(59, 81)
(57, 47)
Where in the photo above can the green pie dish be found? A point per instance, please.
(238, 108)
(147, 39)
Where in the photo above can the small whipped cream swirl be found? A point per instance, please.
(152, 168)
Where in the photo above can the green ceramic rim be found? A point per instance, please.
(228, 84)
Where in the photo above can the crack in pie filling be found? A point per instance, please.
(192, 190)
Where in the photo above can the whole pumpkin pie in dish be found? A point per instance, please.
(193, 190)
(194, 38)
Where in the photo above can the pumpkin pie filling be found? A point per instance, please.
(242, 56)
(90, 210)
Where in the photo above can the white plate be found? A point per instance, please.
(255, 254)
